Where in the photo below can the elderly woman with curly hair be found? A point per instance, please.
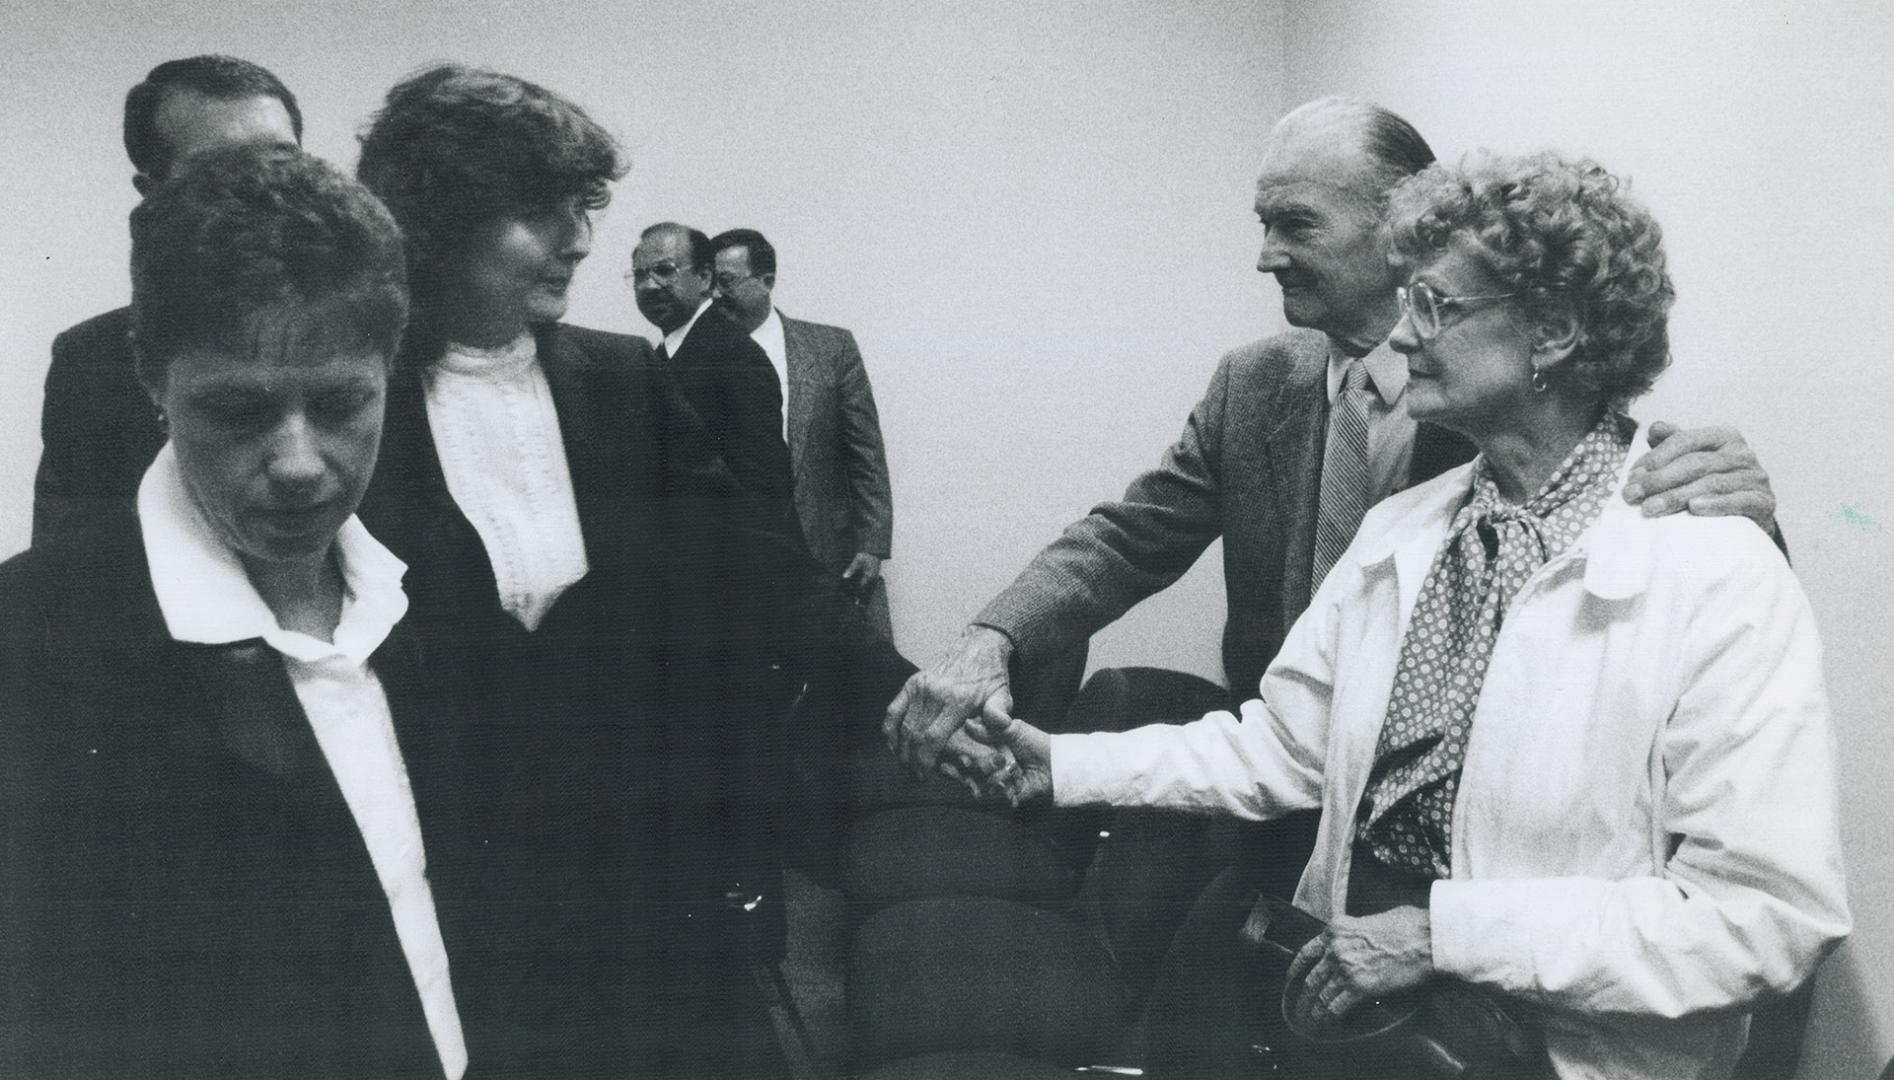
(640, 623)
(1571, 756)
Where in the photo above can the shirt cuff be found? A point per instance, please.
(1081, 769)
(1476, 937)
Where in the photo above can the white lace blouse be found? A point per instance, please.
(497, 435)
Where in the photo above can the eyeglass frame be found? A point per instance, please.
(1438, 304)
(716, 280)
(663, 273)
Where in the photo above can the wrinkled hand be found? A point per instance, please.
(937, 700)
(1709, 471)
(1020, 771)
(863, 570)
(983, 770)
(1357, 960)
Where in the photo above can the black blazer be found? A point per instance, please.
(665, 676)
(731, 385)
(183, 891)
(98, 430)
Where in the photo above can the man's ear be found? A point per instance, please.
(768, 280)
(143, 183)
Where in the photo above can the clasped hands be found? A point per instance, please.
(955, 718)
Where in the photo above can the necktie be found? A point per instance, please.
(664, 353)
(1345, 475)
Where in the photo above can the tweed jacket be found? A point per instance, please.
(843, 497)
(1248, 469)
(98, 430)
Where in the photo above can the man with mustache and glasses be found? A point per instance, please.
(724, 375)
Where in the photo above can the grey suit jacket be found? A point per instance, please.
(1248, 468)
(843, 497)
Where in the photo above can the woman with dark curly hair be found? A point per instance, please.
(642, 625)
(1571, 756)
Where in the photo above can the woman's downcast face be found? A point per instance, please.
(276, 443)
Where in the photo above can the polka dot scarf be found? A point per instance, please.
(1490, 552)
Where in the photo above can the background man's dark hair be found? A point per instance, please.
(702, 254)
(225, 78)
(762, 253)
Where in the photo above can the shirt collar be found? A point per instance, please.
(206, 596)
(503, 362)
(1387, 372)
(1616, 549)
(770, 334)
(674, 340)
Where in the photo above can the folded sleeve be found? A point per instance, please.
(1260, 763)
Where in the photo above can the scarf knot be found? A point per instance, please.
(1492, 549)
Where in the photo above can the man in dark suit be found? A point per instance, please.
(1261, 462)
(724, 375)
(843, 498)
(97, 428)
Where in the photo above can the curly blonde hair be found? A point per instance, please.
(1558, 230)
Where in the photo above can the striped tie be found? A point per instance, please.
(1345, 476)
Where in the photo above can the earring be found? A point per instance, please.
(1540, 384)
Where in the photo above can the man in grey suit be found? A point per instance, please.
(842, 495)
(1297, 435)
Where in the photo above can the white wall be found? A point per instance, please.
(1759, 133)
(1035, 217)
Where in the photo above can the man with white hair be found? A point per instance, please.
(1297, 435)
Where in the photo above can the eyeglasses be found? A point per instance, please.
(663, 273)
(727, 280)
(1424, 307)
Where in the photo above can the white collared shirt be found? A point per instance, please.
(775, 344)
(674, 340)
(1646, 832)
(1390, 429)
(497, 434)
(206, 597)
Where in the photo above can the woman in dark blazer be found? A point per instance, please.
(644, 625)
(231, 804)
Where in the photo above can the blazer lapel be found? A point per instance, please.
(586, 427)
(802, 379)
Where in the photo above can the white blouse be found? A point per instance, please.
(206, 597)
(497, 435)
